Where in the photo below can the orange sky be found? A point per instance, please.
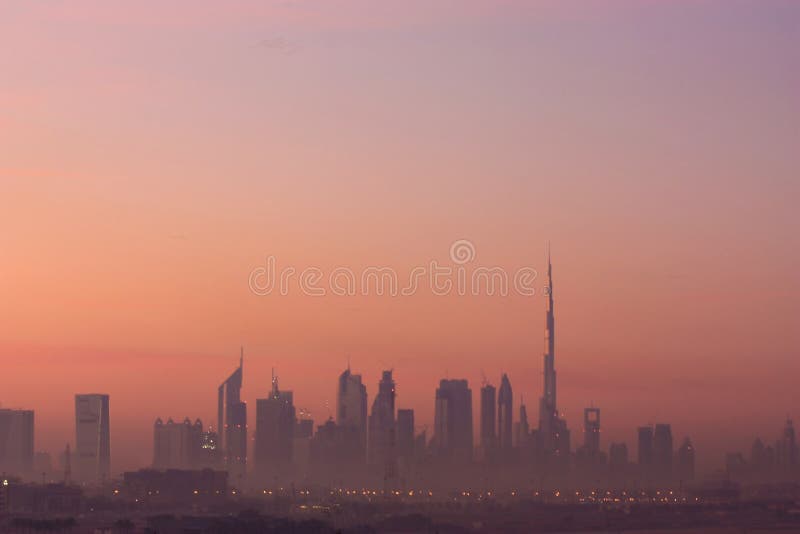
(150, 158)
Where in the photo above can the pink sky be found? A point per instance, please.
(151, 157)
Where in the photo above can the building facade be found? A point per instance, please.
(453, 420)
(16, 442)
(92, 438)
(232, 425)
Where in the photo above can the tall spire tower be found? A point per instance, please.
(553, 431)
(549, 343)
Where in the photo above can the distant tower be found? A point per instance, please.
(645, 454)
(591, 432)
(453, 420)
(275, 428)
(92, 438)
(16, 442)
(505, 407)
(488, 432)
(351, 407)
(786, 447)
(382, 427)
(405, 434)
(553, 432)
(232, 424)
(522, 429)
(662, 453)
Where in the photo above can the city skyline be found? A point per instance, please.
(151, 157)
(362, 266)
(377, 441)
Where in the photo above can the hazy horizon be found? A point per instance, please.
(152, 156)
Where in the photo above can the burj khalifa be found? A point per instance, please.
(553, 434)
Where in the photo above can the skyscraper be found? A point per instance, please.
(92, 438)
(553, 433)
(351, 407)
(232, 424)
(786, 447)
(16, 442)
(645, 451)
(382, 426)
(453, 420)
(275, 429)
(505, 406)
(405, 434)
(522, 429)
(662, 453)
(488, 426)
(591, 432)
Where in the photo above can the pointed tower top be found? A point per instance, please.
(241, 356)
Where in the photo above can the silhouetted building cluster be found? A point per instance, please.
(382, 446)
(776, 462)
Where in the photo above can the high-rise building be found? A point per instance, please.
(505, 407)
(232, 425)
(685, 467)
(786, 447)
(92, 438)
(177, 445)
(453, 420)
(382, 431)
(275, 430)
(488, 423)
(405, 434)
(301, 445)
(662, 453)
(522, 429)
(591, 432)
(645, 452)
(553, 434)
(16, 442)
(351, 406)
